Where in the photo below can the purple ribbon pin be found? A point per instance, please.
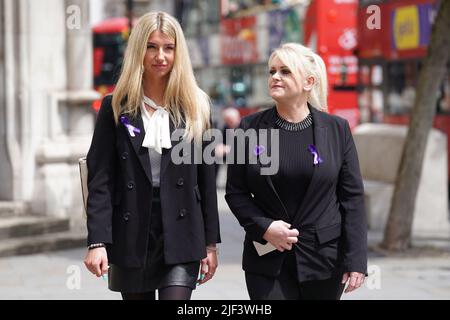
(131, 129)
(258, 150)
(317, 158)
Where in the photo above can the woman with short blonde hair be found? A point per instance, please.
(305, 64)
(306, 233)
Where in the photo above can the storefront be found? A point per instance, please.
(330, 29)
(231, 64)
(230, 52)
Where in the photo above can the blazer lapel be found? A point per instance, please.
(268, 123)
(320, 139)
(136, 141)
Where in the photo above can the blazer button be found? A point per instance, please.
(180, 182)
(126, 216)
(130, 185)
(182, 213)
(125, 156)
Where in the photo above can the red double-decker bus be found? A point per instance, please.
(390, 57)
(330, 28)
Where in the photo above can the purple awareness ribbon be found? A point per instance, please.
(131, 129)
(313, 150)
(258, 150)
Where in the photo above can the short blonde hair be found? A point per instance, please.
(304, 63)
(183, 98)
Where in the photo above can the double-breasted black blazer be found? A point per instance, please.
(120, 196)
(331, 219)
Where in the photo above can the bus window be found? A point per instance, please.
(108, 55)
(110, 39)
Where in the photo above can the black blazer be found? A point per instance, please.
(120, 197)
(331, 219)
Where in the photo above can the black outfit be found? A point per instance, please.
(328, 210)
(295, 163)
(155, 239)
(285, 286)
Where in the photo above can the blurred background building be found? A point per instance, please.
(59, 57)
(231, 41)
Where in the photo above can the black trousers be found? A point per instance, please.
(286, 286)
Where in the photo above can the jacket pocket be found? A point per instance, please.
(197, 193)
(328, 233)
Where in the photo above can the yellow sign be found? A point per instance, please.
(406, 28)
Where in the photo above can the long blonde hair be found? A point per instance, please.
(304, 63)
(185, 101)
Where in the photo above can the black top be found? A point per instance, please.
(296, 165)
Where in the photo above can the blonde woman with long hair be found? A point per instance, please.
(305, 225)
(152, 224)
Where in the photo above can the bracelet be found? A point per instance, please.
(211, 248)
(96, 245)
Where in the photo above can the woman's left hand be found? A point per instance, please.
(354, 279)
(208, 266)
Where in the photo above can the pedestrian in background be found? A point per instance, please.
(152, 221)
(306, 234)
(231, 119)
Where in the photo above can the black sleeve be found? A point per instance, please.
(241, 202)
(208, 192)
(351, 199)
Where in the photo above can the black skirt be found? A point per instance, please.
(156, 274)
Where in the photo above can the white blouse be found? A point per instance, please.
(157, 136)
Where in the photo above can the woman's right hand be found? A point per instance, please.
(280, 236)
(97, 261)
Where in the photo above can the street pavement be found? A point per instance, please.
(422, 274)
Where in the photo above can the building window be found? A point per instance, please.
(401, 81)
(370, 98)
(443, 103)
(198, 17)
